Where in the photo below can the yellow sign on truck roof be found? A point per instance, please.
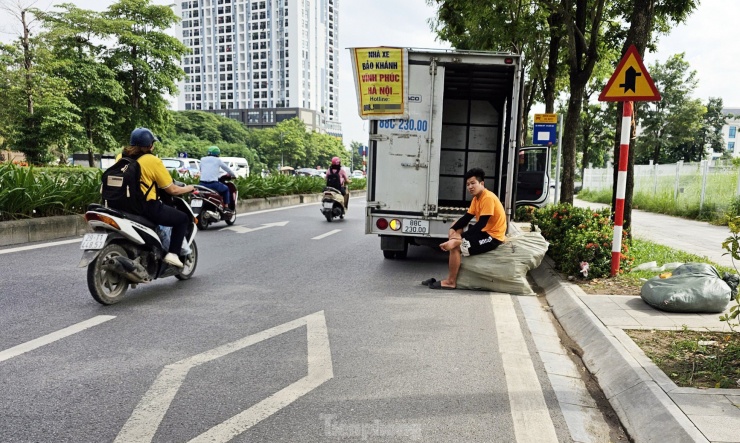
(630, 81)
(381, 78)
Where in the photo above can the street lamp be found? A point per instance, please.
(282, 160)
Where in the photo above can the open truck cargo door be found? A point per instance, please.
(533, 176)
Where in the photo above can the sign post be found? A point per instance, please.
(630, 82)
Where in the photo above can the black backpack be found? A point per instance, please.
(333, 180)
(121, 187)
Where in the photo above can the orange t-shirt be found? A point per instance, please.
(486, 203)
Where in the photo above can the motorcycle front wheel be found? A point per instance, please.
(105, 286)
(190, 262)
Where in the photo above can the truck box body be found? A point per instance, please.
(463, 113)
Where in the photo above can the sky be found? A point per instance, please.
(708, 39)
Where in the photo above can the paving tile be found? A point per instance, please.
(699, 404)
(586, 425)
(548, 343)
(559, 365)
(717, 428)
(571, 390)
(621, 321)
(542, 327)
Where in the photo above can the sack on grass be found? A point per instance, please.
(693, 287)
(505, 268)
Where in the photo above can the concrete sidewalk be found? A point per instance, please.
(649, 405)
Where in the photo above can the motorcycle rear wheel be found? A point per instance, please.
(106, 287)
(190, 262)
(328, 216)
(203, 222)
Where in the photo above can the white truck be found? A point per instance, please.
(463, 113)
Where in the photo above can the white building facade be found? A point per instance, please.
(261, 54)
(730, 131)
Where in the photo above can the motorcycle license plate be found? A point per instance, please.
(328, 205)
(415, 226)
(196, 203)
(93, 241)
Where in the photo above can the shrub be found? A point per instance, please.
(580, 235)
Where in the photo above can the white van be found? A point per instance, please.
(239, 165)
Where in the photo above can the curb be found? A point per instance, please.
(16, 232)
(647, 413)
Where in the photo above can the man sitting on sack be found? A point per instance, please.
(485, 235)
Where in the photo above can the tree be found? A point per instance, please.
(92, 85)
(36, 115)
(670, 125)
(710, 133)
(354, 148)
(146, 61)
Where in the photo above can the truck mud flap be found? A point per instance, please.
(392, 243)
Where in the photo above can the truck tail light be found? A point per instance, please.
(508, 60)
(382, 224)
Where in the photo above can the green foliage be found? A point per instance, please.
(732, 246)
(27, 192)
(580, 235)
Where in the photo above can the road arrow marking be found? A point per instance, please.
(54, 336)
(244, 229)
(144, 421)
(319, 237)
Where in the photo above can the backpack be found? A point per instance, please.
(333, 180)
(121, 187)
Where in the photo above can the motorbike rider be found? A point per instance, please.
(210, 168)
(153, 171)
(335, 172)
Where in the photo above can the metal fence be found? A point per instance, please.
(709, 182)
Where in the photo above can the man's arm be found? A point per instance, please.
(226, 168)
(461, 223)
(174, 189)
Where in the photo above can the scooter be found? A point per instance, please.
(332, 204)
(125, 250)
(209, 207)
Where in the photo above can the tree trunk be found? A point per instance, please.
(27, 63)
(572, 120)
(555, 20)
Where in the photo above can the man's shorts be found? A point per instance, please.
(474, 243)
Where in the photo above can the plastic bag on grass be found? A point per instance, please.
(693, 287)
(505, 268)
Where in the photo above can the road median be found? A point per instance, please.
(16, 232)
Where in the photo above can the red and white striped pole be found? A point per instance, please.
(624, 149)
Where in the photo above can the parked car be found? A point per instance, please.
(357, 174)
(239, 165)
(306, 172)
(184, 166)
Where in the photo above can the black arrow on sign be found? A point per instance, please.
(630, 78)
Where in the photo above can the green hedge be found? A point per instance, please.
(29, 192)
(579, 235)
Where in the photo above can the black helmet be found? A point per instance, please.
(142, 137)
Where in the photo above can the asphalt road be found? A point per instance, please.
(300, 332)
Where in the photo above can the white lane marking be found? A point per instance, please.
(286, 207)
(144, 421)
(532, 422)
(319, 237)
(243, 229)
(54, 336)
(42, 245)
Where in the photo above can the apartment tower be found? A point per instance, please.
(262, 61)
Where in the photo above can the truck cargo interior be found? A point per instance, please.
(476, 109)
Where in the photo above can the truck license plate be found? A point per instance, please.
(93, 241)
(196, 203)
(415, 226)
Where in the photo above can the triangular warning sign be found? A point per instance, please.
(630, 81)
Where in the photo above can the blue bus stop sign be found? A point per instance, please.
(545, 134)
(182, 154)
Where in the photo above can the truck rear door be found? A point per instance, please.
(404, 154)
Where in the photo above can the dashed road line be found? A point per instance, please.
(319, 237)
(54, 336)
